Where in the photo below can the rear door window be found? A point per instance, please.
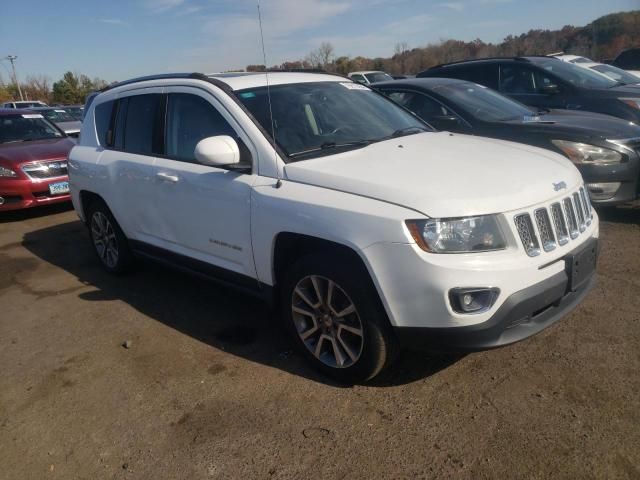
(138, 124)
(484, 74)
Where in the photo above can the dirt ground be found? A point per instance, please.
(209, 389)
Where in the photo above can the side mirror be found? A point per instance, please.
(218, 151)
(550, 89)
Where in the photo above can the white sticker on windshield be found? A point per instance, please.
(32, 115)
(61, 111)
(354, 86)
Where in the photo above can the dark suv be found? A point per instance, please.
(546, 82)
(628, 59)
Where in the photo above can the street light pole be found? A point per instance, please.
(11, 58)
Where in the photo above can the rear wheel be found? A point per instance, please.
(336, 319)
(109, 242)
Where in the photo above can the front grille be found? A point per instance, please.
(556, 224)
(49, 169)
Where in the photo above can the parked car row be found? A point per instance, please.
(563, 102)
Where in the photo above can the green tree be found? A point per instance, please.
(74, 88)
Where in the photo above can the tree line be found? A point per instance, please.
(602, 39)
(71, 89)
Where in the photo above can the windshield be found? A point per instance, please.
(57, 115)
(26, 127)
(616, 74)
(578, 76)
(482, 102)
(378, 77)
(29, 104)
(314, 119)
(75, 112)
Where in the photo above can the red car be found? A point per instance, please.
(33, 161)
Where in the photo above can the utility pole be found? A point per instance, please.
(12, 58)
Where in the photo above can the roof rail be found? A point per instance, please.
(160, 76)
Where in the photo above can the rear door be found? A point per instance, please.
(205, 210)
(129, 160)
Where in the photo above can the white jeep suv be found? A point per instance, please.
(368, 229)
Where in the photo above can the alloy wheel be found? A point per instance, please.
(327, 321)
(104, 239)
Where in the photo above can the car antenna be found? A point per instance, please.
(266, 73)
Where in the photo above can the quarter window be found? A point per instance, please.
(191, 118)
(103, 121)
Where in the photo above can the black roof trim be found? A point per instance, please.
(473, 60)
(160, 76)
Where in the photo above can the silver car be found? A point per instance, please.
(63, 119)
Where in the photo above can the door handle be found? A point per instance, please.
(166, 177)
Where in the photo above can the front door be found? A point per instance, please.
(205, 210)
(532, 87)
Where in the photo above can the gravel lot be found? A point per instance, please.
(209, 389)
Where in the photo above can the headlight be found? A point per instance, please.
(7, 172)
(584, 154)
(457, 235)
(632, 102)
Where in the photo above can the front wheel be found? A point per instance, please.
(336, 319)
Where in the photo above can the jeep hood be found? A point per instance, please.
(443, 174)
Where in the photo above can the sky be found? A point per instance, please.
(119, 39)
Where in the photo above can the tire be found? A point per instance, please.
(348, 337)
(108, 240)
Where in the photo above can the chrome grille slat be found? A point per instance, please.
(582, 221)
(571, 218)
(544, 228)
(559, 224)
(528, 236)
(586, 206)
(46, 169)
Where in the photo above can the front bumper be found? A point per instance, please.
(19, 193)
(627, 174)
(523, 314)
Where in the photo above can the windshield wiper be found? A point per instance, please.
(14, 141)
(330, 146)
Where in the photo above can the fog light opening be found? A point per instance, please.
(473, 299)
(603, 191)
